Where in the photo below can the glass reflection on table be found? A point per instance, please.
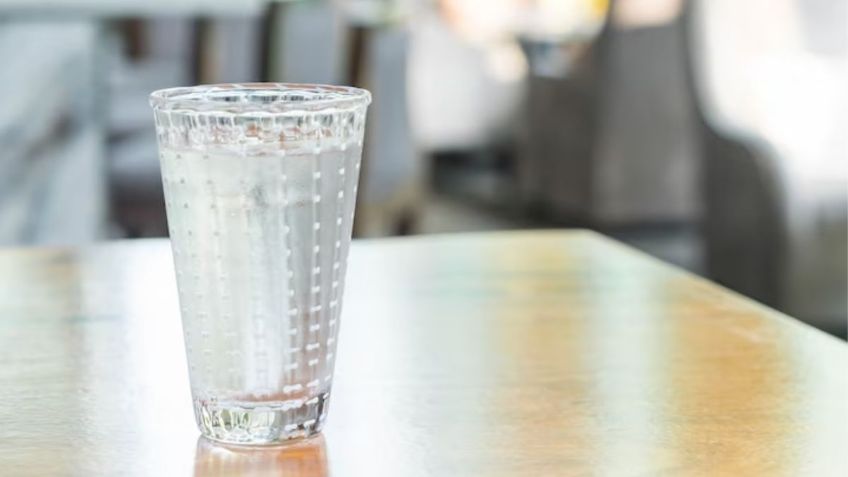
(307, 458)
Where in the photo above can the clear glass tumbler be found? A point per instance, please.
(260, 181)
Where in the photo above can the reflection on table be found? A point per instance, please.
(302, 459)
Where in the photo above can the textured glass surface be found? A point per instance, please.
(260, 182)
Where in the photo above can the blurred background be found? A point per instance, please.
(709, 133)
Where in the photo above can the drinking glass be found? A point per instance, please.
(260, 181)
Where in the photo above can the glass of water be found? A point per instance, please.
(260, 181)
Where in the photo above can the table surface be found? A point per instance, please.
(525, 354)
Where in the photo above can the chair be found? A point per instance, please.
(770, 84)
(611, 142)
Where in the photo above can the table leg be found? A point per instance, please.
(357, 51)
(203, 63)
(270, 43)
(134, 30)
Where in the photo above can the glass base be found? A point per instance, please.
(261, 423)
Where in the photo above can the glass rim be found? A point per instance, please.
(252, 98)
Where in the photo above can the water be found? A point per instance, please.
(260, 247)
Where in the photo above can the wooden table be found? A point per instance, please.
(513, 354)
